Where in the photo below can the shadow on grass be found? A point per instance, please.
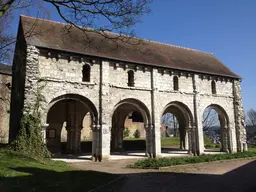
(237, 180)
(47, 180)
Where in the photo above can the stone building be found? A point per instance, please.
(80, 74)
(5, 97)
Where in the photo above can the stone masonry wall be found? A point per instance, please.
(5, 98)
(61, 74)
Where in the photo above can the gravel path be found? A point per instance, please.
(234, 175)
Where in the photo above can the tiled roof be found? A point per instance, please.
(53, 35)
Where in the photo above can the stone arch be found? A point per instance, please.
(118, 116)
(84, 100)
(225, 136)
(140, 106)
(183, 108)
(186, 124)
(70, 109)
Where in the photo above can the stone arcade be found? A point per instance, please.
(87, 74)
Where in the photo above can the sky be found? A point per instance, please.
(226, 28)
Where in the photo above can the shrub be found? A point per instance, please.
(29, 140)
(163, 162)
(136, 134)
(126, 132)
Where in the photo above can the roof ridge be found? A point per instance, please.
(113, 33)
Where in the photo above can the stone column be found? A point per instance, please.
(199, 136)
(105, 111)
(194, 138)
(156, 124)
(44, 132)
(225, 139)
(149, 141)
(95, 142)
(239, 117)
(186, 138)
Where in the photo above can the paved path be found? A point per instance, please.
(234, 175)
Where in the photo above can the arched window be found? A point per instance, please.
(130, 78)
(214, 87)
(175, 83)
(86, 73)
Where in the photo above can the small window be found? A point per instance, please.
(214, 87)
(175, 83)
(86, 73)
(130, 78)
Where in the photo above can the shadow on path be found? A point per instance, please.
(241, 179)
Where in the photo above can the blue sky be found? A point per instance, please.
(226, 28)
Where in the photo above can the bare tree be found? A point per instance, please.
(118, 16)
(210, 119)
(251, 117)
(170, 121)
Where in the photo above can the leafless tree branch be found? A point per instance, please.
(251, 117)
(118, 16)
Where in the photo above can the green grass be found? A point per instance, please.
(170, 141)
(19, 173)
(175, 141)
(164, 162)
(133, 139)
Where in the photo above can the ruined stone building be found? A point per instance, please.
(107, 81)
(5, 97)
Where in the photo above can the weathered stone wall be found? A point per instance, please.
(5, 98)
(61, 74)
(239, 118)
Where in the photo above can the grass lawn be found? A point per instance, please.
(19, 173)
(170, 141)
(165, 161)
(175, 142)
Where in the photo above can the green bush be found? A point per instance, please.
(29, 140)
(164, 162)
(126, 132)
(136, 134)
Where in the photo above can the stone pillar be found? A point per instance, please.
(225, 139)
(186, 138)
(120, 138)
(199, 136)
(105, 111)
(73, 140)
(239, 117)
(149, 141)
(156, 113)
(95, 142)
(194, 138)
(31, 81)
(44, 126)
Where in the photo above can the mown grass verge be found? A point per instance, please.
(20, 173)
(165, 162)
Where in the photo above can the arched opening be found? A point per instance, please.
(130, 78)
(176, 129)
(213, 85)
(128, 132)
(70, 121)
(216, 129)
(86, 73)
(175, 83)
